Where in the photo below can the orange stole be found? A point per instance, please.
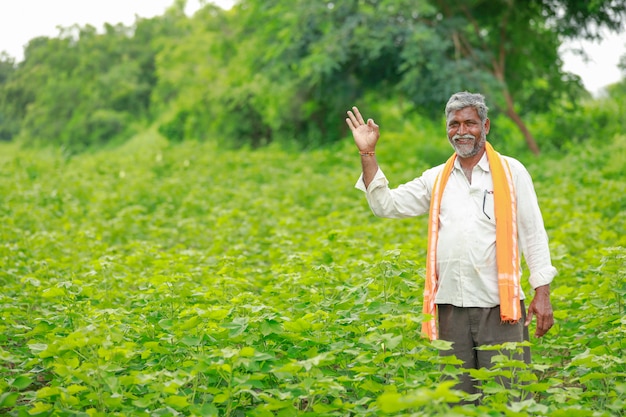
(507, 252)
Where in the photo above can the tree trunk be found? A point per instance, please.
(512, 114)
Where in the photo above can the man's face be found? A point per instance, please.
(466, 133)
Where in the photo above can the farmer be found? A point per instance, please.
(483, 212)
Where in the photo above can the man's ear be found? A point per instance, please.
(487, 125)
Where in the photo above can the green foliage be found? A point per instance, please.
(284, 71)
(9, 126)
(617, 91)
(592, 120)
(160, 279)
(576, 18)
(84, 88)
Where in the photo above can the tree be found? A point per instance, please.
(85, 88)
(296, 65)
(286, 70)
(516, 43)
(7, 125)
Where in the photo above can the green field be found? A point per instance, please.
(166, 280)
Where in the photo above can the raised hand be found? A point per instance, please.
(365, 134)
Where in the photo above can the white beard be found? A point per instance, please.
(468, 148)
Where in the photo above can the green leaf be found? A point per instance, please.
(177, 401)
(392, 402)
(21, 382)
(297, 326)
(190, 323)
(39, 408)
(166, 324)
(191, 340)
(236, 327)
(47, 392)
(55, 292)
(221, 398)
(8, 399)
(441, 344)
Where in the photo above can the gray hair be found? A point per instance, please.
(465, 99)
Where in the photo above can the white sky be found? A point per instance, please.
(604, 56)
(22, 20)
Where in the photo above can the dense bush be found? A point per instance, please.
(568, 125)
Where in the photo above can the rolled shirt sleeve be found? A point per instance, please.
(407, 200)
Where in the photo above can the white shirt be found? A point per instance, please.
(466, 249)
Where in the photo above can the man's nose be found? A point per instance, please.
(462, 129)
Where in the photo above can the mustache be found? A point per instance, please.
(465, 136)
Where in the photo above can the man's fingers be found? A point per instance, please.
(357, 125)
(357, 113)
(539, 331)
(353, 120)
(544, 323)
(371, 124)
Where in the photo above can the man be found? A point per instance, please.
(483, 212)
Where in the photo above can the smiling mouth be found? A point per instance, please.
(464, 138)
(464, 141)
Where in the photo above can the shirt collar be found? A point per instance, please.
(482, 164)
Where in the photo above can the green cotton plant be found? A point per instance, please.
(189, 280)
(508, 368)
